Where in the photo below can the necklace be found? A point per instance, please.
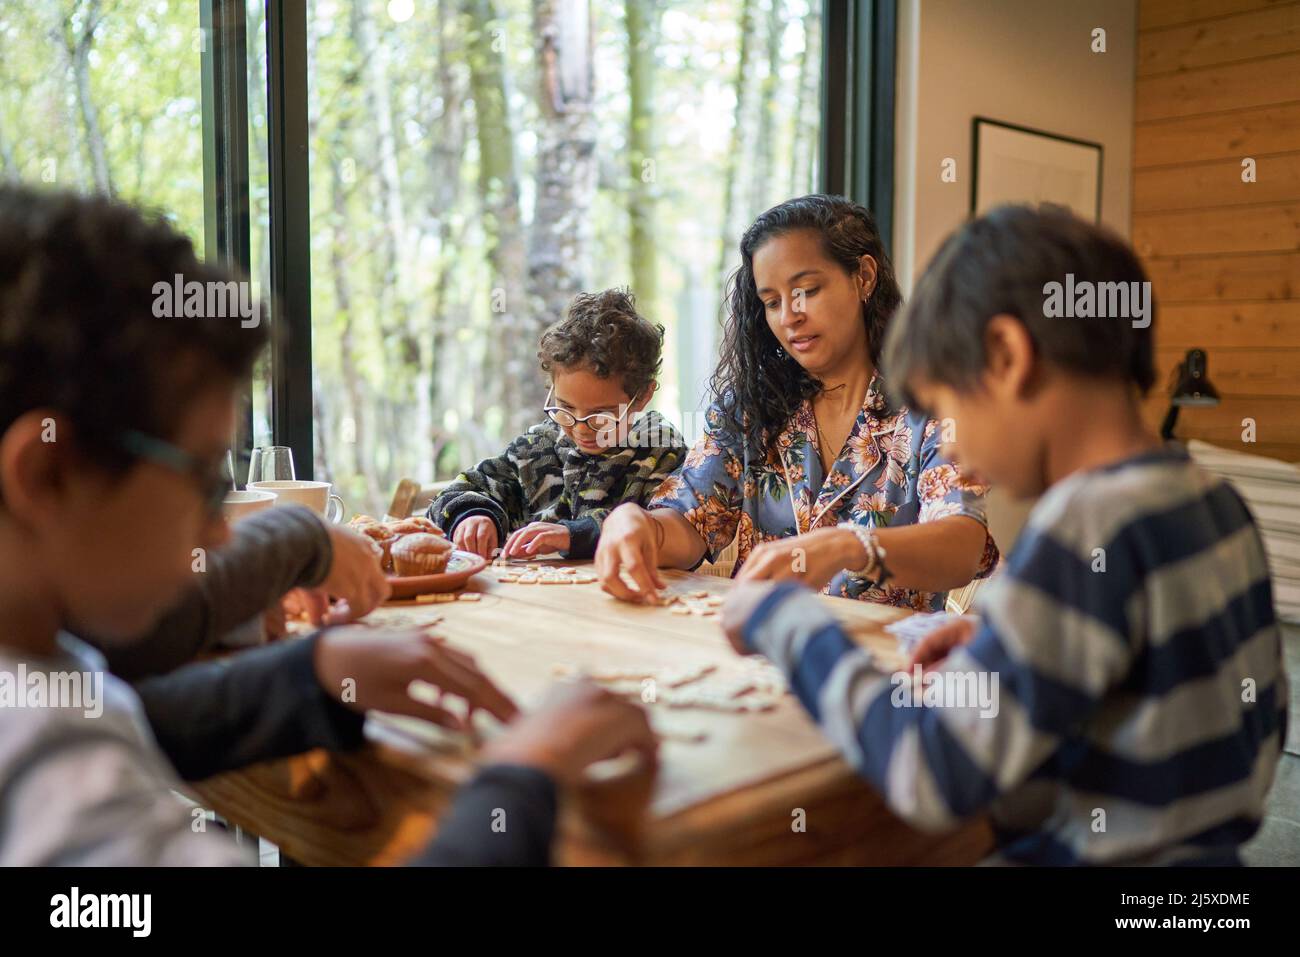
(821, 450)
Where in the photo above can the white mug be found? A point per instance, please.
(315, 495)
(238, 505)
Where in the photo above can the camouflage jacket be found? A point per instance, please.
(543, 477)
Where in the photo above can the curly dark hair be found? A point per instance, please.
(604, 332)
(78, 332)
(757, 382)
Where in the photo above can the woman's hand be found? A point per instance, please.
(629, 541)
(370, 669)
(931, 651)
(536, 538)
(577, 725)
(477, 534)
(813, 559)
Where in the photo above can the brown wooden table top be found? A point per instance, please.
(730, 798)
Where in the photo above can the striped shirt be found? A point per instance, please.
(1138, 699)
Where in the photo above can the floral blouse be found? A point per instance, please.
(889, 473)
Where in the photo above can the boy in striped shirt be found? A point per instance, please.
(1129, 642)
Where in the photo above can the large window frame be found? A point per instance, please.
(859, 40)
(225, 158)
(857, 149)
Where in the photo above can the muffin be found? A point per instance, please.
(380, 535)
(413, 525)
(420, 554)
(385, 546)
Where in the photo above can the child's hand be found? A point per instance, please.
(311, 604)
(536, 539)
(355, 577)
(314, 606)
(577, 725)
(376, 667)
(477, 534)
(275, 623)
(741, 602)
(934, 647)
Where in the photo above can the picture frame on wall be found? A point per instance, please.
(1019, 164)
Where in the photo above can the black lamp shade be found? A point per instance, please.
(1191, 388)
(1193, 383)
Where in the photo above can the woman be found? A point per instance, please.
(804, 460)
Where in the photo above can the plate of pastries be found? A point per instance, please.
(417, 557)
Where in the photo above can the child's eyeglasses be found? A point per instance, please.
(597, 421)
(213, 479)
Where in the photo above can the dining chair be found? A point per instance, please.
(961, 600)
(725, 565)
(412, 498)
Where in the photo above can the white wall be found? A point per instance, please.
(1027, 62)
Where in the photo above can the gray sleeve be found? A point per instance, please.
(98, 801)
(522, 799)
(264, 703)
(269, 554)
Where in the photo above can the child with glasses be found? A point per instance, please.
(114, 423)
(552, 487)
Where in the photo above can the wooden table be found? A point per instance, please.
(732, 798)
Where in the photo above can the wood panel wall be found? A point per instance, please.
(1219, 81)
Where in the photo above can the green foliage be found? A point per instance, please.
(407, 348)
(144, 82)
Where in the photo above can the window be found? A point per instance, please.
(259, 209)
(474, 164)
(469, 166)
(107, 97)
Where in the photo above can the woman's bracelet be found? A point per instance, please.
(874, 569)
(660, 533)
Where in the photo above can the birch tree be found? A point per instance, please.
(503, 380)
(558, 249)
(641, 18)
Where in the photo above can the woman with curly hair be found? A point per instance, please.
(805, 460)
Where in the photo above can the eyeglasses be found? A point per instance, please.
(597, 421)
(213, 479)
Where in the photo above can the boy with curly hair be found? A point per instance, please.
(552, 487)
(114, 424)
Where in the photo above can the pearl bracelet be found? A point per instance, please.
(874, 570)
